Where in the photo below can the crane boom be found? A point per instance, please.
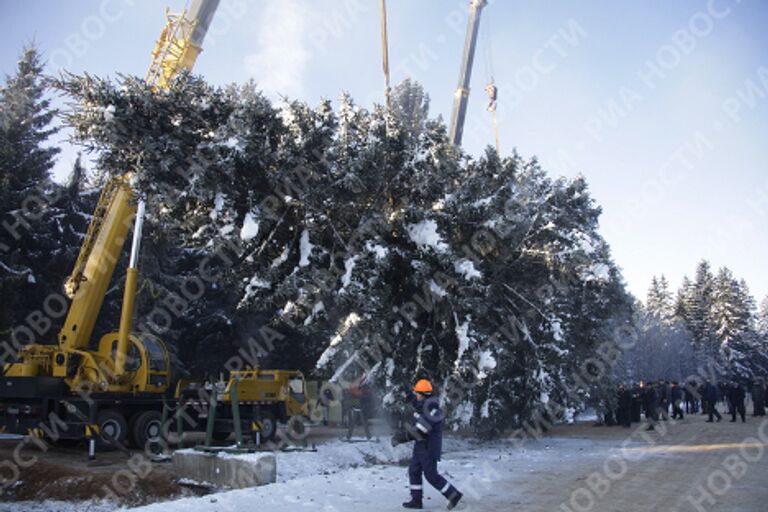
(177, 49)
(461, 96)
(180, 42)
(96, 263)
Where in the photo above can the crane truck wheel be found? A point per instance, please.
(146, 429)
(113, 430)
(268, 425)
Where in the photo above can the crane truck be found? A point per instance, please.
(119, 384)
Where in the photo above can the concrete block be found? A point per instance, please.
(234, 471)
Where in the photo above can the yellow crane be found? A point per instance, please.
(126, 377)
(124, 363)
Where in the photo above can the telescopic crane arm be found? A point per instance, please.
(178, 47)
(176, 51)
(180, 42)
(461, 97)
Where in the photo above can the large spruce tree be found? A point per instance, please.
(370, 244)
(26, 191)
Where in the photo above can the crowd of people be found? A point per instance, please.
(658, 400)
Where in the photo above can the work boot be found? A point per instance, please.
(414, 503)
(454, 500)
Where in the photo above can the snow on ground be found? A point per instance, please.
(335, 456)
(58, 506)
(372, 476)
(340, 477)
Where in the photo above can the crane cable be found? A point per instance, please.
(491, 90)
(385, 53)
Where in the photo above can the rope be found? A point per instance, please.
(490, 89)
(487, 36)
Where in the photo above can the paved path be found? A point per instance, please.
(683, 466)
(687, 465)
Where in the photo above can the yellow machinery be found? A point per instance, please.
(119, 383)
(123, 362)
(280, 386)
(279, 395)
(123, 365)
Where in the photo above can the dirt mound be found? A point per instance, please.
(64, 474)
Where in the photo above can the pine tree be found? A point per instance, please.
(659, 301)
(729, 314)
(732, 313)
(411, 106)
(662, 348)
(25, 188)
(762, 319)
(78, 179)
(372, 244)
(720, 314)
(25, 116)
(684, 301)
(700, 321)
(748, 304)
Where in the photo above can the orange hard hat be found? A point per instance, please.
(423, 386)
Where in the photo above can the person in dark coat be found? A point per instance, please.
(758, 397)
(358, 401)
(664, 399)
(704, 401)
(726, 390)
(736, 397)
(637, 403)
(710, 397)
(722, 394)
(610, 412)
(427, 432)
(676, 397)
(624, 409)
(324, 401)
(651, 405)
(690, 406)
(695, 391)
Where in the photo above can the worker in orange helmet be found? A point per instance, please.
(427, 432)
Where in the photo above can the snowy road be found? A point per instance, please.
(477, 472)
(688, 466)
(685, 466)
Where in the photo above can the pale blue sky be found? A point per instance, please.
(676, 157)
